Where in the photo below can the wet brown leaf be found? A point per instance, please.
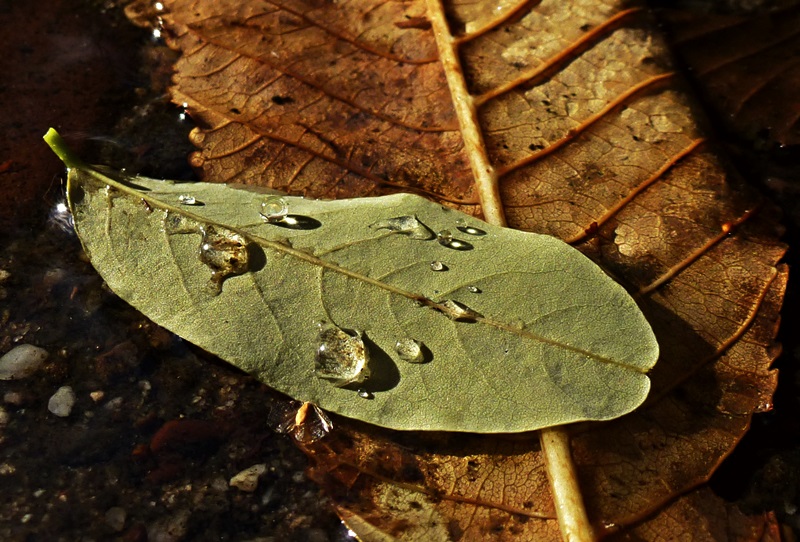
(592, 138)
(749, 67)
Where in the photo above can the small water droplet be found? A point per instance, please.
(455, 310)
(274, 209)
(764, 406)
(469, 230)
(225, 252)
(474, 289)
(438, 266)
(445, 237)
(186, 199)
(341, 357)
(364, 394)
(407, 225)
(409, 350)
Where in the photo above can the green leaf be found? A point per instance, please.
(498, 330)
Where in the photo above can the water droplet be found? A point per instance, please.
(225, 252)
(409, 350)
(185, 199)
(307, 422)
(764, 406)
(455, 310)
(341, 357)
(274, 209)
(438, 266)
(474, 289)
(463, 227)
(445, 238)
(407, 225)
(364, 394)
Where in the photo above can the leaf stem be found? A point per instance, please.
(572, 517)
(62, 150)
(571, 512)
(464, 104)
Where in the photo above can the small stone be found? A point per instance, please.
(5, 417)
(13, 398)
(97, 396)
(62, 401)
(115, 518)
(247, 480)
(21, 361)
(171, 528)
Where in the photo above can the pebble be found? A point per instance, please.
(21, 361)
(247, 480)
(13, 398)
(169, 529)
(62, 401)
(115, 518)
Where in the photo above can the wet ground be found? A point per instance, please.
(158, 428)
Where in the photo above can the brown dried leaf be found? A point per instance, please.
(593, 139)
(749, 68)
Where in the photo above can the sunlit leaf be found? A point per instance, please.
(392, 310)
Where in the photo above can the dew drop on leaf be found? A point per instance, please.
(445, 237)
(185, 199)
(225, 252)
(463, 227)
(457, 311)
(409, 350)
(341, 356)
(274, 209)
(438, 266)
(407, 225)
(473, 289)
(364, 394)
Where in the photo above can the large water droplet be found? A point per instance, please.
(225, 252)
(341, 357)
(274, 209)
(407, 225)
(409, 350)
(455, 310)
(438, 266)
(473, 289)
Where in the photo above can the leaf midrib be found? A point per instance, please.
(310, 259)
